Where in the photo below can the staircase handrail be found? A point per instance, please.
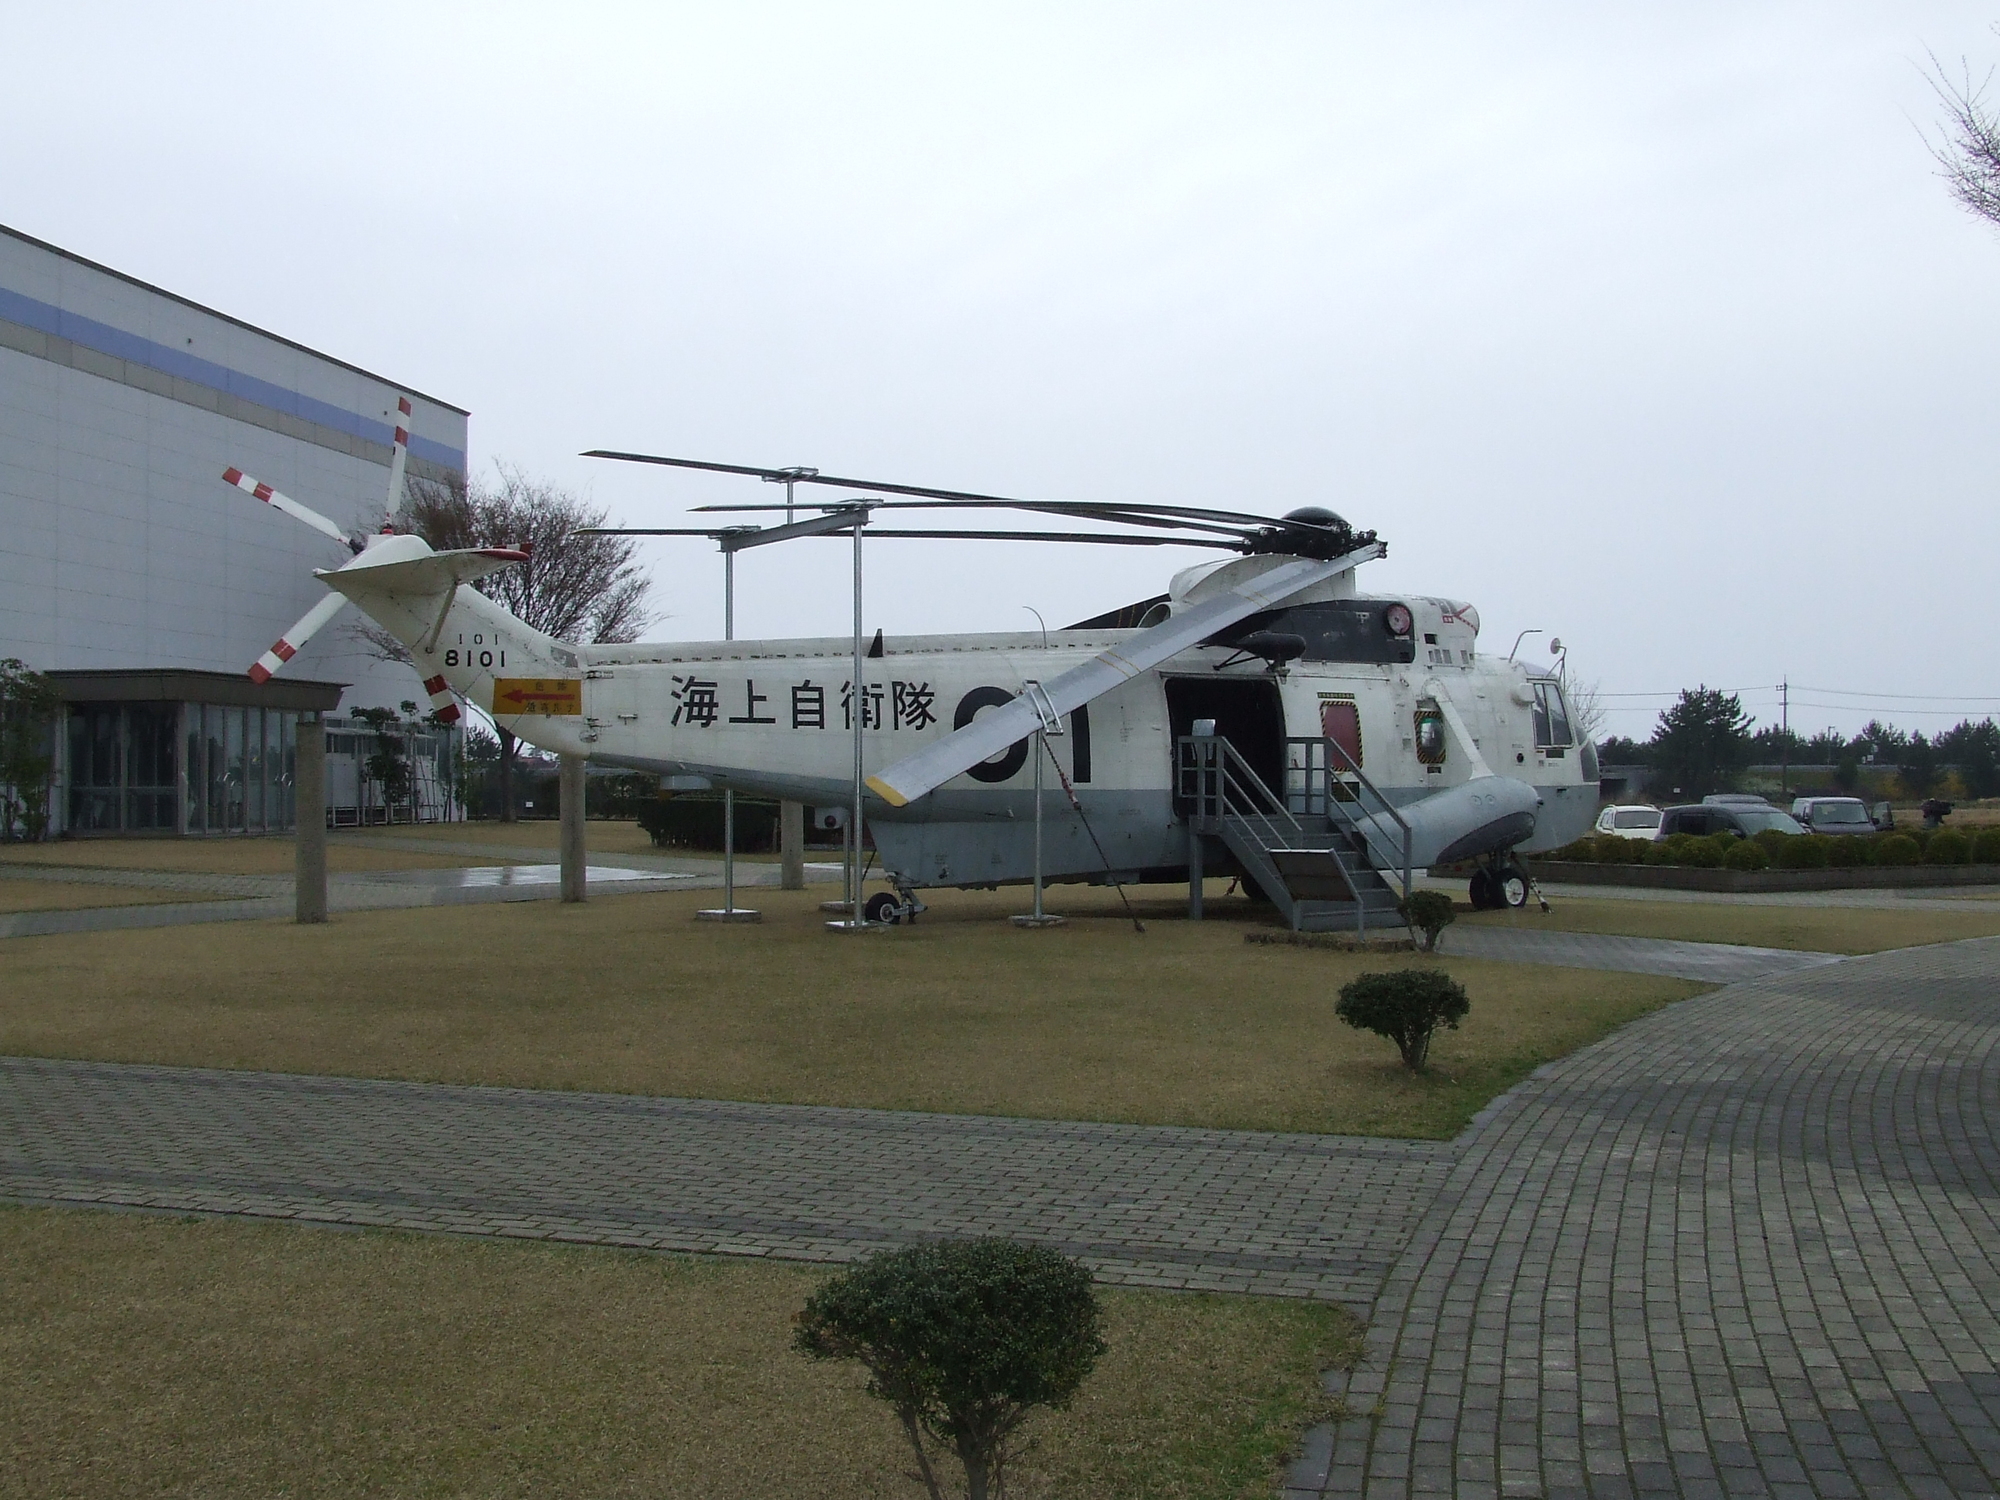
(1354, 768)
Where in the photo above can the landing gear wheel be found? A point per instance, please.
(1512, 887)
(887, 910)
(1485, 890)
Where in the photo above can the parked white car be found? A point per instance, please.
(1630, 821)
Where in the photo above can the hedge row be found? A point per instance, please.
(1789, 851)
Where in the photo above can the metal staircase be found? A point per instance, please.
(1318, 852)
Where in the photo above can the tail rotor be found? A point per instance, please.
(321, 614)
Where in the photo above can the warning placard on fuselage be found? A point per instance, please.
(538, 695)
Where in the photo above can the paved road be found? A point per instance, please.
(1716, 963)
(1749, 1245)
(1298, 1215)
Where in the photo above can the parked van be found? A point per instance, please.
(1833, 814)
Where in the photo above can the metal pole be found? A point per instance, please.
(729, 794)
(860, 715)
(1039, 752)
(729, 911)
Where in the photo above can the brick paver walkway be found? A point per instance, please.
(1749, 1245)
(1299, 1215)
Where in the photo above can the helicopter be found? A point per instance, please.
(1260, 716)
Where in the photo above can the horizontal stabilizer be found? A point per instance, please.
(424, 575)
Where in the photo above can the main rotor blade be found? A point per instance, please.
(968, 497)
(284, 503)
(1127, 515)
(1101, 539)
(986, 736)
(292, 641)
(1086, 537)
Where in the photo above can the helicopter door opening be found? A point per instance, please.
(1247, 713)
(1340, 722)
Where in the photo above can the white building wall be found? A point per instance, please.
(120, 547)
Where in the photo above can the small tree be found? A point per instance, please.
(964, 1339)
(1969, 150)
(1406, 1006)
(1702, 741)
(1428, 913)
(29, 705)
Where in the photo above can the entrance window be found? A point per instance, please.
(122, 767)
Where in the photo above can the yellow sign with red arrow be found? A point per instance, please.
(538, 695)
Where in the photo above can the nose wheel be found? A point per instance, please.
(1495, 887)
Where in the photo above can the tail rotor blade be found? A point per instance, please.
(284, 503)
(399, 461)
(443, 704)
(289, 644)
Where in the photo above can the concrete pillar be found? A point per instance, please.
(792, 845)
(570, 769)
(309, 823)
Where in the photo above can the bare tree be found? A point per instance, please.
(575, 588)
(1587, 708)
(1969, 152)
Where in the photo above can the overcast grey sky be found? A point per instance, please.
(1649, 326)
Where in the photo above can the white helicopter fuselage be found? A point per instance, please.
(775, 717)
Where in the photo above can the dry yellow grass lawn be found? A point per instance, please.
(145, 1355)
(1185, 1024)
(70, 895)
(1818, 929)
(606, 836)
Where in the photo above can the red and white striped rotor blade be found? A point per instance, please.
(289, 644)
(399, 460)
(284, 503)
(443, 704)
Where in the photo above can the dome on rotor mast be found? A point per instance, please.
(1315, 515)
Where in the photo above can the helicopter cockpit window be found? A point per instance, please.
(1552, 729)
(1369, 631)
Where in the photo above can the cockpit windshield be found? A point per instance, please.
(1551, 717)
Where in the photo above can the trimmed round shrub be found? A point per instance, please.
(1619, 851)
(1894, 849)
(1947, 847)
(1986, 847)
(1772, 840)
(1583, 850)
(1405, 1005)
(1802, 851)
(1847, 851)
(1699, 854)
(1428, 913)
(963, 1339)
(1659, 852)
(1746, 854)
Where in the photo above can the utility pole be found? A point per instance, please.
(1785, 737)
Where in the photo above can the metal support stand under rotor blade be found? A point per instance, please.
(309, 821)
(1051, 723)
(729, 911)
(855, 921)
